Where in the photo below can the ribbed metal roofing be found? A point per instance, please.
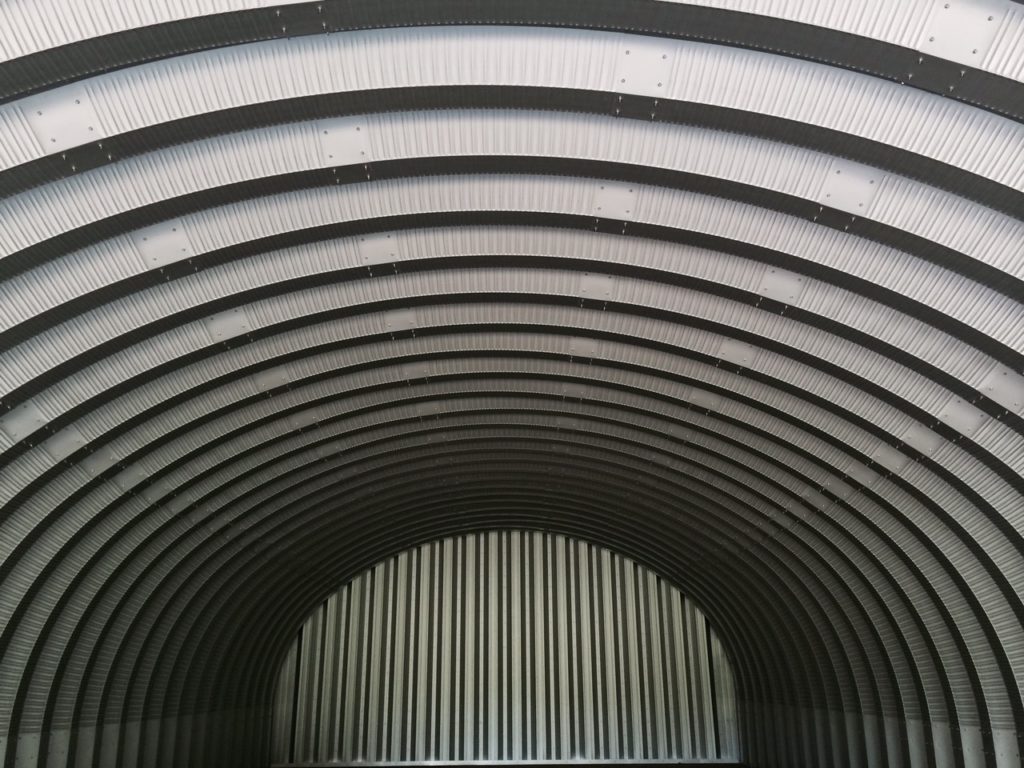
(734, 289)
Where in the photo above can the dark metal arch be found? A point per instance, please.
(46, 69)
(154, 670)
(153, 213)
(963, 183)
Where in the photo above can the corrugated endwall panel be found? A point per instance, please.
(505, 646)
(284, 707)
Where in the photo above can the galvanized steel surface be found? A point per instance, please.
(516, 646)
(746, 313)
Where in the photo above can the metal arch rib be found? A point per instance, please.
(918, 526)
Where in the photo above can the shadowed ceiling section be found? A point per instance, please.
(288, 290)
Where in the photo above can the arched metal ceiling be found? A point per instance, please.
(734, 288)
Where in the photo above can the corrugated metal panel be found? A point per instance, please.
(732, 77)
(225, 160)
(114, 582)
(29, 28)
(824, 422)
(803, 378)
(564, 651)
(878, 19)
(228, 451)
(720, 378)
(29, 358)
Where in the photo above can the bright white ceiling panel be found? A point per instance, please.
(27, 26)
(930, 213)
(169, 89)
(29, 359)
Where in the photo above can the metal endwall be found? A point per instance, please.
(505, 646)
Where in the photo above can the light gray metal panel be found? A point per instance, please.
(536, 56)
(744, 159)
(935, 346)
(534, 683)
(907, 24)
(897, 374)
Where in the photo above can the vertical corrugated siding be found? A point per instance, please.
(505, 646)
